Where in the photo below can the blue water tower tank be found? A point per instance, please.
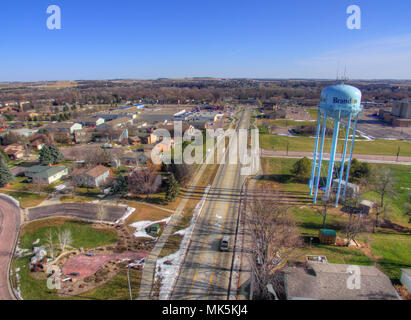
(340, 98)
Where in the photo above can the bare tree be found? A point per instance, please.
(274, 239)
(101, 212)
(383, 184)
(65, 239)
(356, 224)
(50, 243)
(144, 181)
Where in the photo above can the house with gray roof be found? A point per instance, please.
(327, 281)
(45, 174)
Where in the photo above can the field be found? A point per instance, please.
(389, 247)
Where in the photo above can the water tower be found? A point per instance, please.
(341, 104)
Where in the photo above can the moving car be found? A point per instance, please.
(224, 243)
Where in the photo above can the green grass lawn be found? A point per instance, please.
(395, 252)
(301, 143)
(84, 236)
(26, 199)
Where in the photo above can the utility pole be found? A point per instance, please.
(398, 152)
(128, 279)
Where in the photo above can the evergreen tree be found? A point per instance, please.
(45, 157)
(56, 155)
(5, 174)
(172, 189)
(120, 185)
(301, 169)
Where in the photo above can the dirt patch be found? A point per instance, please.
(86, 266)
(51, 222)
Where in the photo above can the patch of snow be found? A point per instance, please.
(181, 232)
(285, 135)
(11, 199)
(128, 212)
(141, 226)
(94, 201)
(17, 291)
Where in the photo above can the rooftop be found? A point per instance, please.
(97, 171)
(329, 282)
(44, 171)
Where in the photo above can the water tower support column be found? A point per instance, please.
(317, 138)
(337, 197)
(349, 162)
(332, 157)
(317, 180)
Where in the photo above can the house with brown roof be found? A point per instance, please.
(95, 177)
(14, 151)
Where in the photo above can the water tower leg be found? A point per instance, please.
(337, 197)
(332, 158)
(317, 138)
(347, 174)
(317, 180)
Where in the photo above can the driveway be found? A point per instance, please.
(9, 226)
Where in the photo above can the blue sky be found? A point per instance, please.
(155, 38)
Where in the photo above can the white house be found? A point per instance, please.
(406, 279)
(46, 174)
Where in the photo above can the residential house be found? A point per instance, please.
(115, 124)
(406, 279)
(37, 141)
(64, 127)
(95, 177)
(327, 281)
(90, 121)
(134, 141)
(14, 151)
(134, 159)
(147, 138)
(45, 174)
(84, 135)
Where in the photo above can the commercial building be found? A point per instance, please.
(400, 115)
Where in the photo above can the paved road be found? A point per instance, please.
(361, 157)
(206, 271)
(9, 226)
